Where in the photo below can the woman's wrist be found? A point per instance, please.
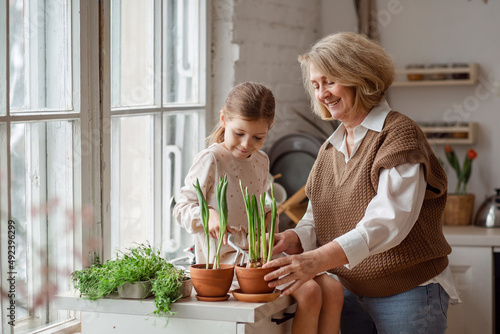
(330, 256)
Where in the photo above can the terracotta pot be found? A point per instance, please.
(459, 209)
(211, 282)
(251, 280)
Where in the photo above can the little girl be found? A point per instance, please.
(246, 118)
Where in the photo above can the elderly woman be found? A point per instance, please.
(377, 193)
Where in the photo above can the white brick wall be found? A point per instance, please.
(260, 40)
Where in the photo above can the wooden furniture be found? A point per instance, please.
(295, 206)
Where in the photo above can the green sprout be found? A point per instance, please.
(223, 213)
(222, 208)
(205, 215)
(259, 251)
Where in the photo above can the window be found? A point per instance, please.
(39, 145)
(97, 128)
(157, 93)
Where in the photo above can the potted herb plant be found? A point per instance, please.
(251, 276)
(134, 274)
(212, 281)
(459, 204)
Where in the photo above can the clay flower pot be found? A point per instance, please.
(252, 281)
(211, 282)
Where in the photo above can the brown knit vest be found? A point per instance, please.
(340, 192)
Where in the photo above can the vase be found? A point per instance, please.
(459, 209)
(212, 283)
(252, 281)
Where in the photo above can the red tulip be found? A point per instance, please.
(471, 154)
(463, 174)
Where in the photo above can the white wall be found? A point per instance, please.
(260, 40)
(446, 31)
(450, 31)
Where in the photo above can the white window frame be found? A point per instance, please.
(86, 143)
(160, 226)
(91, 96)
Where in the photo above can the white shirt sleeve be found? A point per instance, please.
(306, 230)
(389, 216)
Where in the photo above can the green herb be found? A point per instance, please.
(138, 264)
(223, 210)
(205, 215)
(166, 288)
(141, 263)
(259, 251)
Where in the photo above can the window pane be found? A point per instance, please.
(132, 53)
(3, 59)
(132, 186)
(180, 145)
(42, 188)
(181, 48)
(40, 55)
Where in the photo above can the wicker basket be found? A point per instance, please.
(459, 209)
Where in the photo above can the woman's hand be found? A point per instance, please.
(303, 267)
(295, 268)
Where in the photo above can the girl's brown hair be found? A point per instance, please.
(352, 60)
(250, 101)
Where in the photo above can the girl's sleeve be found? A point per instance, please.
(187, 210)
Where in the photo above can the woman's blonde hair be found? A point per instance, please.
(250, 101)
(352, 60)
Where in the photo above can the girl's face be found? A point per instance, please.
(242, 137)
(338, 99)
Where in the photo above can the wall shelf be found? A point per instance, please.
(402, 81)
(457, 134)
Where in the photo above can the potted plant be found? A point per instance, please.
(460, 204)
(212, 281)
(134, 274)
(251, 276)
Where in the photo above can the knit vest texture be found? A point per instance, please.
(339, 194)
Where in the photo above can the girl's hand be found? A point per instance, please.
(213, 226)
(287, 242)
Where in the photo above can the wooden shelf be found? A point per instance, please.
(401, 81)
(460, 134)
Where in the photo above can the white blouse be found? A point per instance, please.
(389, 216)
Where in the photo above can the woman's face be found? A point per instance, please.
(338, 99)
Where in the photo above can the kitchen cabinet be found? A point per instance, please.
(470, 70)
(127, 316)
(471, 263)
